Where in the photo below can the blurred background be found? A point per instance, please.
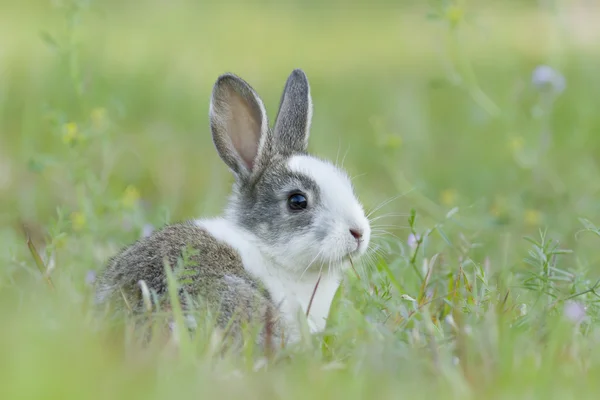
(482, 116)
(486, 106)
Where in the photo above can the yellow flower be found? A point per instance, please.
(77, 220)
(532, 217)
(393, 141)
(516, 143)
(61, 241)
(454, 14)
(130, 197)
(98, 117)
(448, 197)
(70, 133)
(498, 207)
(495, 210)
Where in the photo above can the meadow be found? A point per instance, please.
(470, 130)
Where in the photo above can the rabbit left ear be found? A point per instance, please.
(239, 124)
(292, 125)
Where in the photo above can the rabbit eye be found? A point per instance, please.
(297, 202)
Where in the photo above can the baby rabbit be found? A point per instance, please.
(292, 220)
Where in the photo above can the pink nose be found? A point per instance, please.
(356, 233)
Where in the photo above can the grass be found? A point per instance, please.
(104, 130)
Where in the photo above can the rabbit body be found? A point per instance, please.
(292, 223)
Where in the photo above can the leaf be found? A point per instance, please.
(332, 320)
(391, 277)
(532, 241)
(451, 213)
(38, 261)
(589, 226)
(444, 236)
(334, 309)
(561, 251)
(411, 218)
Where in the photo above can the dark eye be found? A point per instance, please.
(297, 202)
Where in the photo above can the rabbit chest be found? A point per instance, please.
(290, 291)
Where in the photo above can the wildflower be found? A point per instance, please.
(130, 197)
(574, 311)
(448, 197)
(77, 220)
(413, 240)
(454, 15)
(90, 277)
(545, 77)
(392, 142)
(70, 133)
(98, 117)
(532, 217)
(147, 230)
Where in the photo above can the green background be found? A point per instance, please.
(430, 104)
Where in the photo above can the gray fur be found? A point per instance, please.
(267, 196)
(219, 279)
(269, 182)
(237, 123)
(292, 124)
(258, 158)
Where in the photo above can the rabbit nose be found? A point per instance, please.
(356, 233)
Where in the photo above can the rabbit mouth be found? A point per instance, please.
(355, 254)
(359, 250)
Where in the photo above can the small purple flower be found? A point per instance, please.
(413, 240)
(575, 311)
(90, 277)
(147, 230)
(545, 77)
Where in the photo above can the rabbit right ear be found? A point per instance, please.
(292, 124)
(238, 122)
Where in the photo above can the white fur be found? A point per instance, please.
(341, 211)
(287, 290)
(309, 115)
(284, 270)
(335, 214)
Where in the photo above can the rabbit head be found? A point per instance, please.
(299, 210)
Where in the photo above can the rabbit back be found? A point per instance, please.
(214, 276)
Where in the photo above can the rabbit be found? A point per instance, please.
(292, 223)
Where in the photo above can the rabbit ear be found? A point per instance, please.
(238, 122)
(292, 125)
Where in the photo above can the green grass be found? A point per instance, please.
(109, 132)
